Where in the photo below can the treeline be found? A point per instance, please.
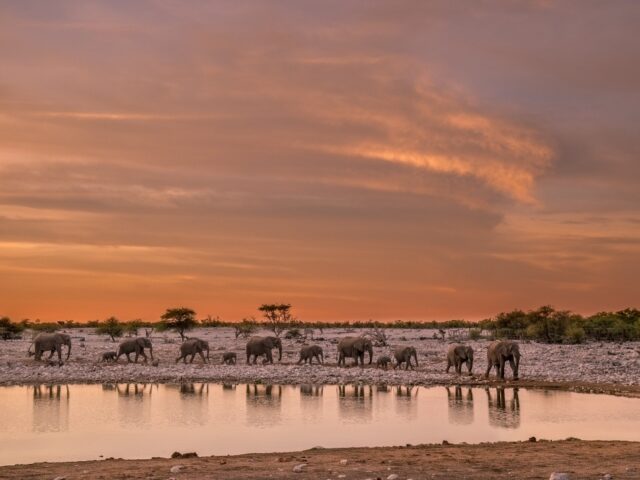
(544, 324)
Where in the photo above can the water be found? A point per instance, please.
(82, 422)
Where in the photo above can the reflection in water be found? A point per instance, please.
(264, 403)
(191, 389)
(460, 405)
(228, 386)
(502, 413)
(406, 404)
(382, 388)
(311, 390)
(50, 408)
(355, 402)
(133, 389)
(134, 403)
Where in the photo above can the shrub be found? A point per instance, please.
(575, 334)
(245, 328)
(475, 334)
(294, 333)
(179, 319)
(112, 327)
(8, 329)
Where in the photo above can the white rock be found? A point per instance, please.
(607, 476)
(344, 461)
(60, 478)
(393, 476)
(559, 476)
(176, 468)
(300, 468)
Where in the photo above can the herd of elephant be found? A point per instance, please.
(499, 352)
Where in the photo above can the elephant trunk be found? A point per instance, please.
(151, 352)
(68, 349)
(279, 352)
(516, 358)
(370, 349)
(415, 356)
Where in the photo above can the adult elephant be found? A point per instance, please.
(403, 355)
(137, 346)
(193, 346)
(354, 347)
(457, 355)
(500, 352)
(50, 342)
(307, 354)
(258, 346)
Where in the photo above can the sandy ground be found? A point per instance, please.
(525, 460)
(604, 367)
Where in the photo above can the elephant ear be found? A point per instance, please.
(359, 343)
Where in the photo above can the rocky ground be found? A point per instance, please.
(590, 366)
(566, 460)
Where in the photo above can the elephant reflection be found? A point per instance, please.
(503, 413)
(191, 389)
(228, 386)
(50, 408)
(460, 405)
(263, 404)
(311, 390)
(406, 391)
(133, 389)
(382, 388)
(355, 402)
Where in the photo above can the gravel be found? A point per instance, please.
(596, 363)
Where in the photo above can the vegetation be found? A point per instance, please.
(245, 328)
(179, 319)
(278, 316)
(10, 330)
(112, 327)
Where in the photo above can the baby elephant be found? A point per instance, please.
(383, 362)
(307, 354)
(229, 358)
(109, 356)
(457, 355)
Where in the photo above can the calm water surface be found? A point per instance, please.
(81, 422)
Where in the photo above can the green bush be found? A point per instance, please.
(575, 334)
(475, 334)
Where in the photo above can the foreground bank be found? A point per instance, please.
(523, 460)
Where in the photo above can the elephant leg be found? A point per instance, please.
(59, 350)
(489, 367)
(448, 365)
(255, 358)
(51, 353)
(179, 358)
(269, 356)
(513, 368)
(136, 357)
(204, 360)
(501, 369)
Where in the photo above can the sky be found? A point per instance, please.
(360, 160)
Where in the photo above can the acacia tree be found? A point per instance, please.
(112, 327)
(179, 319)
(245, 328)
(277, 315)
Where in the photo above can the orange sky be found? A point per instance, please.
(416, 160)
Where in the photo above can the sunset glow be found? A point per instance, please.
(385, 160)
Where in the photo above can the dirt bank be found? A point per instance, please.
(527, 460)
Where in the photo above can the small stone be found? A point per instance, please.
(607, 476)
(344, 461)
(299, 468)
(444, 442)
(393, 476)
(60, 478)
(559, 476)
(176, 468)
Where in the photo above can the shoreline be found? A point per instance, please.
(629, 391)
(501, 460)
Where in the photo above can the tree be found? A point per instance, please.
(131, 328)
(8, 329)
(245, 328)
(278, 316)
(179, 319)
(112, 327)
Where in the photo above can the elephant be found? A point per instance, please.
(457, 355)
(498, 353)
(135, 345)
(109, 356)
(192, 346)
(354, 347)
(50, 342)
(383, 362)
(311, 352)
(257, 346)
(229, 358)
(403, 355)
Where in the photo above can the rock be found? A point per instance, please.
(393, 476)
(299, 468)
(176, 469)
(344, 461)
(559, 476)
(444, 442)
(533, 439)
(60, 478)
(607, 476)
(155, 363)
